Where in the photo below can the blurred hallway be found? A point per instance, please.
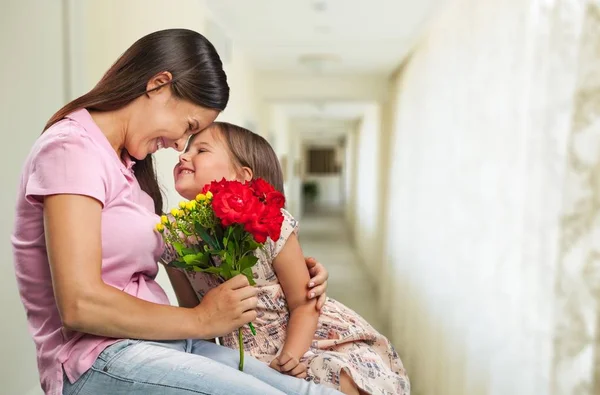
(324, 235)
(442, 157)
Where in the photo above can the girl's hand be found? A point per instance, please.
(318, 282)
(290, 365)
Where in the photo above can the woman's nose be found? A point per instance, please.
(179, 145)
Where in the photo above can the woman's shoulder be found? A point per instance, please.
(65, 159)
(64, 131)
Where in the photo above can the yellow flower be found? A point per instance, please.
(160, 228)
(201, 197)
(182, 204)
(175, 212)
(191, 205)
(164, 220)
(209, 195)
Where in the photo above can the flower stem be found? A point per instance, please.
(241, 341)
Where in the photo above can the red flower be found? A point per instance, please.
(232, 203)
(267, 194)
(216, 186)
(261, 188)
(266, 223)
(255, 205)
(276, 199)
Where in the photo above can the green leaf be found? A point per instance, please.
(239, 232)
(211, 270)
(189, 251)
(204, 259)
(226, 273)
(228, 261)
(248, 273)
(179, 264)
(253, 245)
(247, 262)
(218, 232)
(231, 249)
(205, 236)
(199, 259)
(234, 273)
(190, 259)
(179, 248)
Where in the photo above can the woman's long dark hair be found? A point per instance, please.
(198, 77)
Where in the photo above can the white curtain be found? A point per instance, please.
(492, 237)
(576, 368)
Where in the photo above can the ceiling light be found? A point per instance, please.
(318, 61)
(319, 5)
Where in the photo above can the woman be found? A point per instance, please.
(86, 252)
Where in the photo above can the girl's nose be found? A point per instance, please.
(184, 157)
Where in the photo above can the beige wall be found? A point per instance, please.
(366, 188)
(476, 185)
(390, 112)
(350, 177)
(33, 87)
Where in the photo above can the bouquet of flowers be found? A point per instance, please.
(219, 231)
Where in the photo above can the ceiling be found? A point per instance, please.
(323, 121)
(345, 36)
(318, 110)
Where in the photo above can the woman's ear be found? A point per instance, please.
(246, 174)
(160, 80)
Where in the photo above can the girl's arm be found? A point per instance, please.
(186, 296)
(292, 272)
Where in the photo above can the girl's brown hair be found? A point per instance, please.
(251, 150)
(198, 77)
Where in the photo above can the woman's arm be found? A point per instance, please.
(186, 296)
(318, 282)
(86, 304)
(293, 276)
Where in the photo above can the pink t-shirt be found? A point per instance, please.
(74, 157)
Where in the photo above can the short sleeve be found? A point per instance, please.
(67, 162)
(168, 256)
(289, 226)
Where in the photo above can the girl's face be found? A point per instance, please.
(206, 159)
(161, 120)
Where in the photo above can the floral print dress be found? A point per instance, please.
(343, 340)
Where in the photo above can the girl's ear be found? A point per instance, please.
(246, 174)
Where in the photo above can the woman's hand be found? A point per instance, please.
(290, 365)
(318, 282)
(227, 307)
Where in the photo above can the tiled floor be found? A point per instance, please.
(325, 236)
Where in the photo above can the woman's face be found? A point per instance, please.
(206, 159)
(161, 120)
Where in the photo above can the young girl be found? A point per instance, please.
(337, 348)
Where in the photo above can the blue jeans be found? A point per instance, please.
(183, 367)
